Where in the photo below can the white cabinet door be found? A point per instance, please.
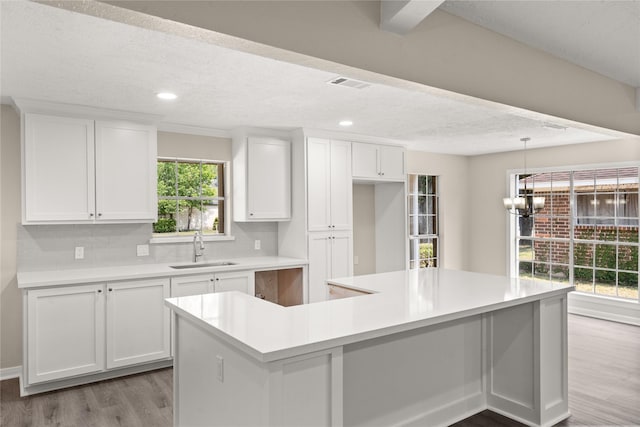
(341, 186)
(268, 179)
(65, 332)
(341, 255)
(137, 322)
(365, 160)
(126, 156)
(58, 169)
(378, 162)
(392, 162)
(329, 185)
(184, 286)
(319, 265)
(319, 184)
(242, 281)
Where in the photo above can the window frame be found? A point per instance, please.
(436, 235)
(513, 238)
(176, 238)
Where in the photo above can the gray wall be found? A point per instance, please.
(10, 301)
(364, 229)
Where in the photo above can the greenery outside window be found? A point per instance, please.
(191, 197)
(423, 207)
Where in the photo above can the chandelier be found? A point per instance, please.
(524, 205)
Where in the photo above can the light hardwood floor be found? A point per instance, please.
(604, 390)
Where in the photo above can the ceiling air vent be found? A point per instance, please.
(343, 81)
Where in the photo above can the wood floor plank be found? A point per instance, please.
(604, 390)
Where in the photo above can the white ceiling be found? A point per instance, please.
(54, 54)
(602, 36)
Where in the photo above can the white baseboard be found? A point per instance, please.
(8, 373)
(605, 308)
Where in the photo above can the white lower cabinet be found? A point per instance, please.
(137, 322)
(242, 281)
(330, 257)
(90, 328)
(65, 332)
(183, 286)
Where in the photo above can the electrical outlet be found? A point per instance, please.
(142, 250)
(79, 252)
(220, 362)
(256, 245)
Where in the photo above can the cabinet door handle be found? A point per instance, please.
(99, 214)
(250, 214)
(110, 289)
(99, 291)
(91, 215)
(217, 279)
(382, 174)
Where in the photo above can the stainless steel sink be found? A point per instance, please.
(205, 264)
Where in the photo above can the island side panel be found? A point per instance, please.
(527, 352)
(429, 376)
(554, 387)
(217, 384)
(209, 391)
(512, 388)
(307, 390)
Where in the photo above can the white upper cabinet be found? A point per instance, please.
(329, 190)
(378, 162)
(84, 171)
(125, 171)
(261, 179)
(392, 162)
(58, 169)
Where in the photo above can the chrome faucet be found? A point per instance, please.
(197, 253)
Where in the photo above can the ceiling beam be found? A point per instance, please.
(401, 16)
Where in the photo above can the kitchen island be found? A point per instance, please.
(419, 347)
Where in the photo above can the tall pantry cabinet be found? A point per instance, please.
(329, 213)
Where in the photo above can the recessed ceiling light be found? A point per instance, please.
(167, 95)
(345, 123)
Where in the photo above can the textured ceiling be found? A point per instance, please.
(602, 36)
(57, 55)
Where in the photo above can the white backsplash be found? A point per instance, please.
(52, 247)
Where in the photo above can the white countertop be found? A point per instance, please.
(400, 301)
(37, 279)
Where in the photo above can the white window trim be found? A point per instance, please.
(227, 236)
(189, 239)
